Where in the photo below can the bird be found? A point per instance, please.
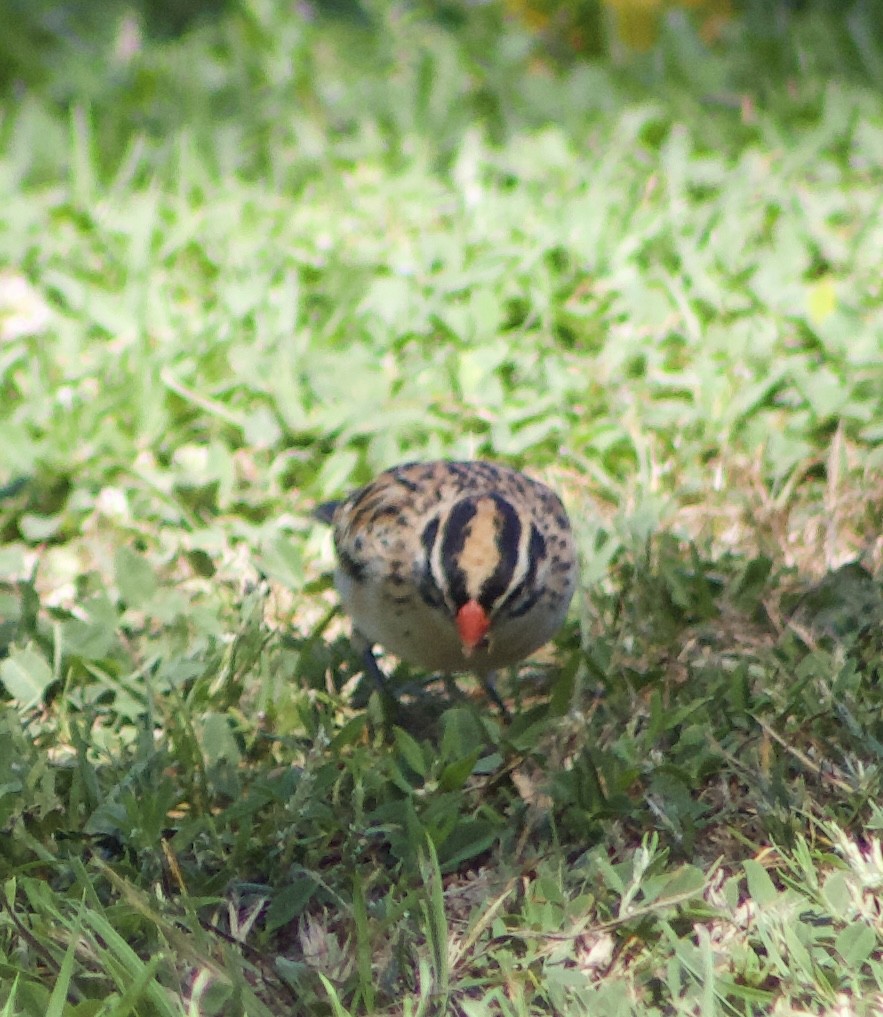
(452, 566)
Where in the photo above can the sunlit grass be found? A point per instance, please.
(667, 308)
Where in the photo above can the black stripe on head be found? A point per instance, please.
(453, 541)
(362, 503)
(383, 511)
(516, 604)
(508, 538)
(429, 588)
(399, 472)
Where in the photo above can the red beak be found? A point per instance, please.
(472, 624)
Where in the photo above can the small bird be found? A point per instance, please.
(453, 566)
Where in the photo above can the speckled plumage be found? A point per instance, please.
(424, 539)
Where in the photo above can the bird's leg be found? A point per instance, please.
(488, 683)
(389, 702)
(452, 688)
(372, 668)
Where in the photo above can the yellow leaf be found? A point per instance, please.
(821, 300)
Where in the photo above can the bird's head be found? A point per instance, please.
(478, 559)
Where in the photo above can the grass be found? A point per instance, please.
(271, 257)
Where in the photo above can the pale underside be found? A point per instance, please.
(427, 637)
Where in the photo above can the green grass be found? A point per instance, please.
(271, 257)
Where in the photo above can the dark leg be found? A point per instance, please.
(366, 651)
(370, 666)
(490, 688)
(372, 669)
(389, 702)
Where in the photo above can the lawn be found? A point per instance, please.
(244, 268)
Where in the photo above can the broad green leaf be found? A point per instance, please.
(760, 886)
(290, 901)
(135, 578)
(217, 739)
(26, 676)
(411, 751)
(856, 943)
